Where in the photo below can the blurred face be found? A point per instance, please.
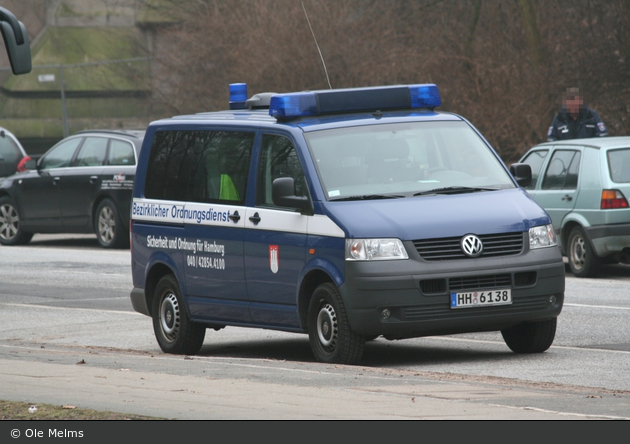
(573, 105)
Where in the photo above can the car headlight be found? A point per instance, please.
(541, 237)
(375, 249)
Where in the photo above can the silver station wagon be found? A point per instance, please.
(584, 185)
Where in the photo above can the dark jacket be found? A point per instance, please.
(588, 124)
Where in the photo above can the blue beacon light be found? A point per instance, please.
(425, 96)
(238, 95)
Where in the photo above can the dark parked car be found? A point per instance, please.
(83, 184)
(11, 153)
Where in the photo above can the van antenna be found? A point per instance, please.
(320, 53)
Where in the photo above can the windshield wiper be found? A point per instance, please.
(368, 197)
(455, 190)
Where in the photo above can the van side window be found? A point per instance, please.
(201, 166)
(562, 171)
(278, 158)
(535, 161)
(169, 165)
(220, 172)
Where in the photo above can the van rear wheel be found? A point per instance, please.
(174, 330)
(530, 337)
(331, 338)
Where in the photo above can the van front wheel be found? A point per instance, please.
(530, 337)
(174, 330)
(331, 338)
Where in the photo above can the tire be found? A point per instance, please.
(109, 229)
(530, 337)
(174, 330)
(11, 232)
(331, 338)
(582, 259)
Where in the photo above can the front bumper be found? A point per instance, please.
(416, 294)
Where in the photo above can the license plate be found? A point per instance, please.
(481, 298)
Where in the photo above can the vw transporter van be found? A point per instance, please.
(343, 214)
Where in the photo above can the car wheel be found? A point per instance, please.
(11, 232)
(583, 260)
(110, 231)
(530, 337)
(174, 330)
(331, 338)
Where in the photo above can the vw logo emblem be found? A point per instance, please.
(471, 245)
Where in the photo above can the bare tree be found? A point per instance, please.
(501, 64)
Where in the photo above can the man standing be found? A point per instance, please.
(575, 120)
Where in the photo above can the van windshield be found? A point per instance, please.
(404, 159)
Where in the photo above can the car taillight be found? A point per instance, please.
(613, 199)
(21, 167)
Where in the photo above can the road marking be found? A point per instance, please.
(485, 341)
(72, 308)
(597, 306)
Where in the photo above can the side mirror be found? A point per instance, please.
(283, 194)
(522, 173)
(16, 42)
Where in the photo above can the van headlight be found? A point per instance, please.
(541, 237)
(375, 249)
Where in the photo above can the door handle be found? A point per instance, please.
(567, 198)
(255, 218)
(235, 217)
(55, 180)
(93, 179)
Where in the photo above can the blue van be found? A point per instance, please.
(345, 214)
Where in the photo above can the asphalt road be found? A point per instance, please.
(69, 336)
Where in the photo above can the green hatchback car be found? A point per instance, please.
(583, 184)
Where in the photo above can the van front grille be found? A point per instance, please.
(448, 248)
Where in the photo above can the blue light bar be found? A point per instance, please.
(312, 103)
(293, 105)
(238, 95)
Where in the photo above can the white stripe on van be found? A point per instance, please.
(157, 210)
(194, 213)
(292, 222)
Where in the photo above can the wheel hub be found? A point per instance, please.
(106, 224)
(578, 252)
(8, 222)
(169, 316)
(327, 326)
